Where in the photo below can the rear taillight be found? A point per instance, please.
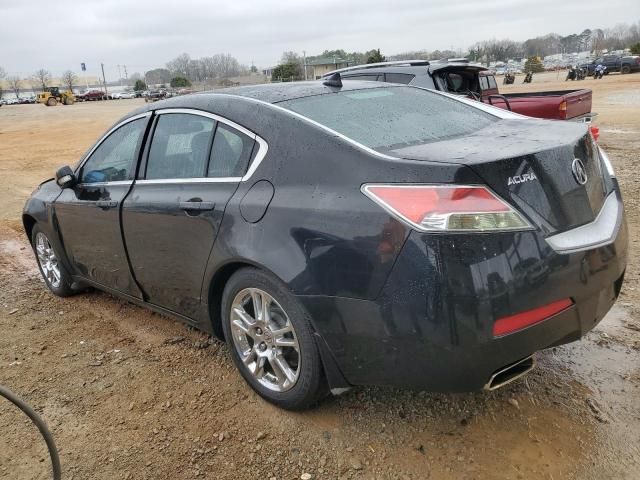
(562, 109)
(595, 132)
(437, 208)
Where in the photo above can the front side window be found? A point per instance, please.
(180, 146)
(230, 153)
(492, 82)
(114, 159)
(392, 117)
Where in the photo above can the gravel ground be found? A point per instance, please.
(130, 394)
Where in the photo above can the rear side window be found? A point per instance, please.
(180, 146)
(230, 153)
(484, 83)
(393, 117)
(492, 82)
(404, 78)
(371, 77)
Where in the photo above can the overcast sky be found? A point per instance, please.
(145, 34)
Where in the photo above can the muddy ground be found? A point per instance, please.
(134, 395)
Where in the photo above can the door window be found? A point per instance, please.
(114, 159)
(230, 153)
(180, 146)
(492, 81)
(484, 83)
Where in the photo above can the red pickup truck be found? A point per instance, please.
(460, 77)
(554, 104)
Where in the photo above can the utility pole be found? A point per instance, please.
(126, 77)
(104, 80)
(304, 56)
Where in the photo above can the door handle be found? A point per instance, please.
(199, 206)
(106, 204)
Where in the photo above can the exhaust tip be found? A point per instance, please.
(511, 372)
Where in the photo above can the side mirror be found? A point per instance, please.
(65, 178)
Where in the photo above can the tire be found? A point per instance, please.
(51, 102)
(68, 101)
(62, 287)
(254, 345)
(625, 69)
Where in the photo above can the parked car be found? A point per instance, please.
(155, 95)
(92, 95)
(344, 233)
(124, 95)
(475, 81)
(614, 63)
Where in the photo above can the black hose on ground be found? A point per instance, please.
(44, 431)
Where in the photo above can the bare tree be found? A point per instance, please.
(180, 65)
(69, 79)
(14, 82)
(3, 74)
(42, 77)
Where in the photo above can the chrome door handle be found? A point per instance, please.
(106, 204)
(200, 206)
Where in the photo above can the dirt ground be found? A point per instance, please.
(130, 394)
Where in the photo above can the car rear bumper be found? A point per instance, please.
(431, 327)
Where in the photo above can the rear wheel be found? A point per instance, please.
(53, 272)
(625, 69)
(51, 102)
(68, 101)
(271, 341)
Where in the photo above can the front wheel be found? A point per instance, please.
(271, 340)
(53, 272)
(625, 69)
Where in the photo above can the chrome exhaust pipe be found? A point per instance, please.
(511, 372)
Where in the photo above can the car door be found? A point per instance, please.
(194, 164)
(88, 213)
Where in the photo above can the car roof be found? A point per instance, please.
(281, 92)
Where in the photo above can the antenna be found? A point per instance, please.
(334, 80)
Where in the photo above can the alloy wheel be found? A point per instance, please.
(48, 260)
(265, 339)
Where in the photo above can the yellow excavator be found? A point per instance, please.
(52, 96)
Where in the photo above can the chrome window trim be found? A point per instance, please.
(202, 113)
(170, 181)
(263, 148)
(602, 231)
(102, 184)
(104, 137)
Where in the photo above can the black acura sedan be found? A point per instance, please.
(344, 233)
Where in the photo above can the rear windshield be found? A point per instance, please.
(388, 118)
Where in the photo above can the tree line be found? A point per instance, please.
(184, 70)
(179, 72)
(596, 41)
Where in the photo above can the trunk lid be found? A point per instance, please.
(529, 164)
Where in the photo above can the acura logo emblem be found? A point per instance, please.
(579, 172)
